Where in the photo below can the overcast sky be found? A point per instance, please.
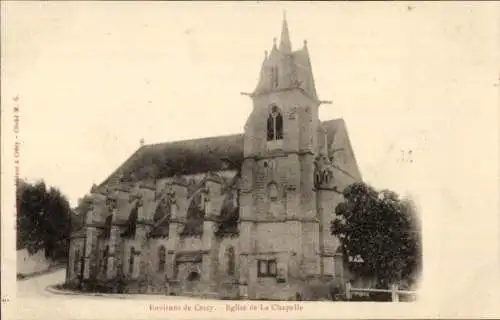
(94, 78)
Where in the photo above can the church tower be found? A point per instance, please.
(279, 225)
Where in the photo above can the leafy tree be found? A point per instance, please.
(379, 234)
(43, 219)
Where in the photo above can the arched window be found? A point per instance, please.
(131, 260)
(161, 259)
(274, 124)
(131, 223)
(161, 218)
(230, 261)
(194, 217)
(273, 191)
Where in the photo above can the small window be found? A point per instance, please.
(267, 268)
(262, 267)
(76, 262)
(272, 268)
(131, 260)
(317, 178)
(273, 191)
(161, 259)
(193, 276)
(230, 261)
(105, 260)
(203, 200)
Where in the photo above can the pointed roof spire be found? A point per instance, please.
(285, 44)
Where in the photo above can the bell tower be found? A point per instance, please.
(285, 104)
(278, 219)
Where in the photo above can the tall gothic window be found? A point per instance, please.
(132, 223)
(161, 259)
(274, 124)
(230, 261)
(161, 218)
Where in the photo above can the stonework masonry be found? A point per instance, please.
(243, 216)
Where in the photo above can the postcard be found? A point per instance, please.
(252, 160)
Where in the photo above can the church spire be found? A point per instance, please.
(285, 44)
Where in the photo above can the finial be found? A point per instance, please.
(305, 43)
(265, 54)
(141, 142)
(274, 41)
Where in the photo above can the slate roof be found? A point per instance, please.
(158, 161)
(164, 160)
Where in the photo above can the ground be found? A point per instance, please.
(36, 287)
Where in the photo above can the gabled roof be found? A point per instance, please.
(158, 161)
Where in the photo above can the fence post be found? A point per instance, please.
(348, 290)
(394, 293)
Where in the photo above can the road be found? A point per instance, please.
(36, 287)
(33, 301)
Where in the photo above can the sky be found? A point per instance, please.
(94, 78)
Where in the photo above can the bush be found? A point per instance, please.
(321, 291)
(361, 298)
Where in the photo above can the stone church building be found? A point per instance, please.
(238, 216)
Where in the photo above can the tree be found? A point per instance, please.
(43, 219)
(379, 234)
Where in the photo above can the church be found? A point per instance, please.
(243, 216)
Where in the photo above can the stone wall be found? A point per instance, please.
(76, 251)
(291, 225)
